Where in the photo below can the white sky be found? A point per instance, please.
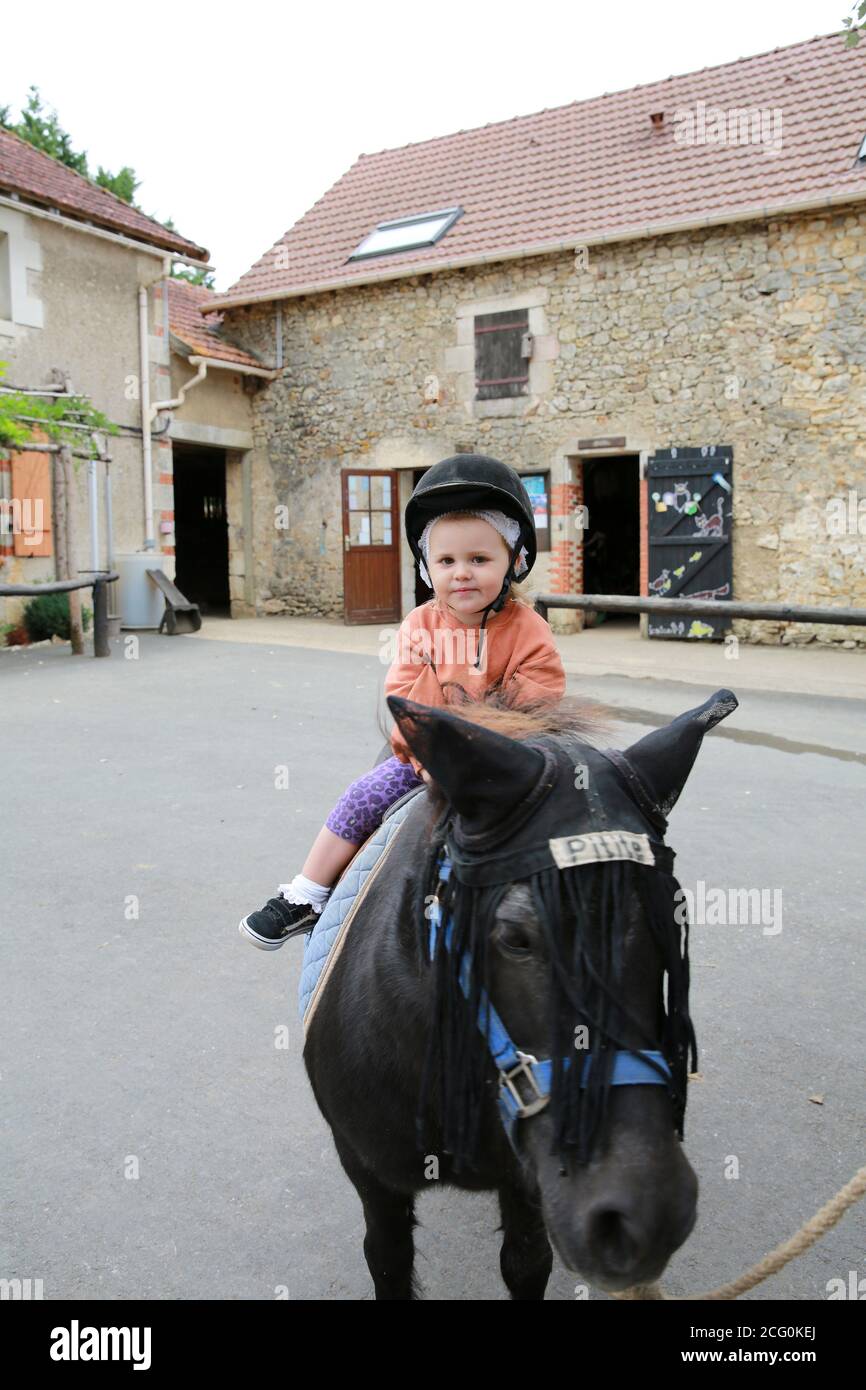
(238, 118)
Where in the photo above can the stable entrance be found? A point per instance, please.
(201, 528)
(611, 541)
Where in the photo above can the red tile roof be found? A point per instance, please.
(39, 178)
(592, 169)
(200, 335)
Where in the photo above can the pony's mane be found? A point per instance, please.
(502, 710)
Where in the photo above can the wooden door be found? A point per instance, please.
(690, 513)
(371, 546)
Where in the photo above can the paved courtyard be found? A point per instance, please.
(159, 1145)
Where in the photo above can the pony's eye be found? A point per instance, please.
(514, 940)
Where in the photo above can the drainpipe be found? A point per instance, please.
(144, 393)
(279, 335)
(199, 377)
(109, 520)
(201, 365)
(144, 376)
(92, 488)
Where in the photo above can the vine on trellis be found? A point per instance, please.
(65, 418)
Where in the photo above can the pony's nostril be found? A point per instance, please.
(612, 1241)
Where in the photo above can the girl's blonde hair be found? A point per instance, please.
(516, 592)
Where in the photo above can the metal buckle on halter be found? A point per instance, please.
(523, 1068)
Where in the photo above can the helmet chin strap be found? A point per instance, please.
(495, 607)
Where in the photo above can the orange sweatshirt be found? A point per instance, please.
(518, 646)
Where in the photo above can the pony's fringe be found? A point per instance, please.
(585, 969)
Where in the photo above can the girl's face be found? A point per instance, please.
(467, 563)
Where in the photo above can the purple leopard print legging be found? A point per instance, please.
(363, 804)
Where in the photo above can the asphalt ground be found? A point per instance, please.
(159, 1143)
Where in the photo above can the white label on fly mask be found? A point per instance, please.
(600, 846)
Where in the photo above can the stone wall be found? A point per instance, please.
(752, 335)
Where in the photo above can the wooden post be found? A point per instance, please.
(60, 562)
(101, 645)
(76, 631)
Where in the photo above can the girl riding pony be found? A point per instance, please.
(470, 525)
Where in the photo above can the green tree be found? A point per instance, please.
(855, 24)
(123, 183)
(42, 129)
(185, 272)
(192, 277)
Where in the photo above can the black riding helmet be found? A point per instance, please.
(473, 482)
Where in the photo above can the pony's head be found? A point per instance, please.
(563, 914)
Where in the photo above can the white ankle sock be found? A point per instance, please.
(305, 890)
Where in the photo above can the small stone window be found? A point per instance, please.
(503, 347)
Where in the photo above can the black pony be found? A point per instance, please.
(510, 1007)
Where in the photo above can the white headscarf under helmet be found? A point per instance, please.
(508, 528)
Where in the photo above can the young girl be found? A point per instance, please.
(468, 555)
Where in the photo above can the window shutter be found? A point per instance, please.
(30, 507)
(501, 368)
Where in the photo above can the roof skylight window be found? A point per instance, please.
(406, 234)
(861, 153)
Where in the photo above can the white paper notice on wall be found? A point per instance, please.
(364, 536)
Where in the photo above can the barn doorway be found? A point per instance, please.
(201, 528)
(611, 547)
(422, 593)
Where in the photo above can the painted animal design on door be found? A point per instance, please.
(682, 498)
(711, 525)
(661, 583)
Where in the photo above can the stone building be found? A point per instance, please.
(651, 303)
(87, 302)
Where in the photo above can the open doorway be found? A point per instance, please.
(201, 528)
(611, 548)
(422, 593)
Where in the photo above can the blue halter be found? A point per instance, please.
(629, 1069)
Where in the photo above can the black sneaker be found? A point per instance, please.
(277, 921)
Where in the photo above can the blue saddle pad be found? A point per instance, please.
(327, 938)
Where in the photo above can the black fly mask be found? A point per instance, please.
(584, 830)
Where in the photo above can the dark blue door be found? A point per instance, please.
(690, 510)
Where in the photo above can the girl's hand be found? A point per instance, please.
(417, 649)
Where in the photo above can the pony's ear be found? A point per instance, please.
(482, 773)
(664, 758)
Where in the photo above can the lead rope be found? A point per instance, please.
(823, 1221)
